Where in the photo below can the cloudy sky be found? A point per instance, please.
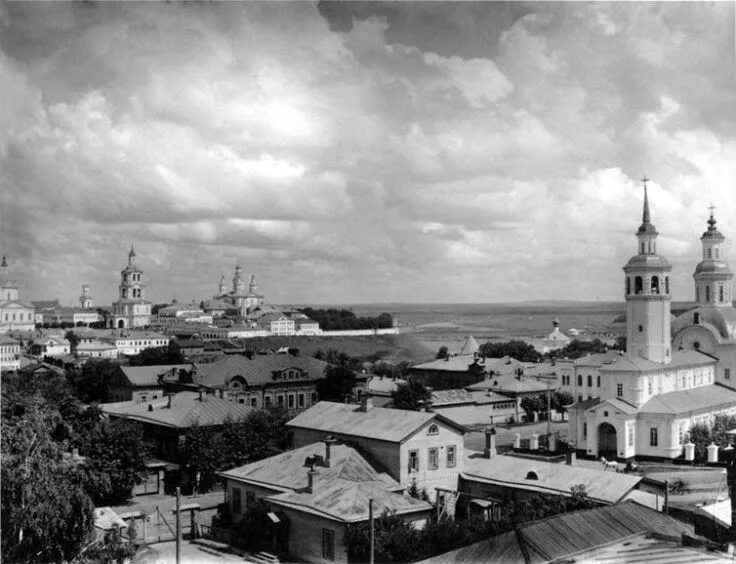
(362, 152)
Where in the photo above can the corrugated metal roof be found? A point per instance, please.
(694, 399)
(558, 479)
(186, 410)
(568, 535)
(344, 419)
(287, 470)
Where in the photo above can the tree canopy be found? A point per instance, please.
(338, 382)
(412, 396)
(517, 349)
(344, 319)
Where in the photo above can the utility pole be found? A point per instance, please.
(178, 525)
(371, 557)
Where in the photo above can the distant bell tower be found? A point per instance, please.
(712, 274)
(238, 282)
(648, 295)
(222, 287)
(85, 299)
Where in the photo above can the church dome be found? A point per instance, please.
(647, 261)
(723, 319)
(712, 267)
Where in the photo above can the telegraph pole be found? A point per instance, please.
(371, 538)
(178, 525)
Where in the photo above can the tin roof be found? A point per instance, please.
(258, 370)
(393, 425)
(695, 399)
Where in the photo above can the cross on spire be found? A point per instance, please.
(711, 207)
(645, 180)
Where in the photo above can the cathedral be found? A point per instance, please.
(131, 310)
(14, 314)
(238, 298)
(674, 373)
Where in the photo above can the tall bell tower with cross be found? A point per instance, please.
(647, 279)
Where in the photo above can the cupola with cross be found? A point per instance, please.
(648, 295)
(712, 275)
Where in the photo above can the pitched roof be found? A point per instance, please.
(551, 478)
(348, 500)
(470, 346)
(694, 399)
(459, 363)
(186, 410)
(567, 534)
(631, 364)
(149, 375)
(258, 370)
(509, 384)
(286, 471)
(392, 425)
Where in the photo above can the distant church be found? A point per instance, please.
(14, 314)
(651, 396)
(131, 310)
(237, 298)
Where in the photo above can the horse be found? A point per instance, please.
(609, 464)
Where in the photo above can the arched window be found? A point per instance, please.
(532, 475)
(599, 380)
(696, 318)
(628, 285)
(720, 293)
(710, 254)
(638, 285)
(580, 379)
(590, 381)
(433, 429)
(697, 293)
(666, 284)
(707, 293)
(655, 284)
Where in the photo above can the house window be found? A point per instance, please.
(590, 381)
(268, 401)
(314, 398)
(619, 390)
(727, 373)
(433, 429)
(653, 437)
(451, 456)
(280, 400)
(413, 461)
(328, 544)
(253, 402)
(580, 397)
(250, 499)
(599, 380)
(641, 328)
(433, 459)
(585, 430)
(631, 435)
(291, 401)
(580, 379)
(301, 400)
(237, 507)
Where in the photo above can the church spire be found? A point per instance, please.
(5, 263)
(646, 218)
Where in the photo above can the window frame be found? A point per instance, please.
(433, 458)
(451, 456)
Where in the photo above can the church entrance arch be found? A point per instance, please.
(121, 324)
(607, 445)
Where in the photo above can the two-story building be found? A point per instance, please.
(414, 446)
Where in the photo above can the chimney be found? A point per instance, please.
(490, 450)
(312, 475)
(366, 402)
(329, 441)
(201, 394)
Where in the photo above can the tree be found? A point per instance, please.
(394, 540)
(202, 452)
(91, 380)
(577, 349)
(442, 352)
(338, 382)
(560, 399)
(46, 513)
(73, 339)
(412, 395)
(160, 355)
(260, 434)
(520, 350)
(114, 452)
(532, 405)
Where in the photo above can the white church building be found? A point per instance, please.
(651, 395)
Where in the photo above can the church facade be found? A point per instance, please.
(650, 396)
(15, 315)
(131, 310)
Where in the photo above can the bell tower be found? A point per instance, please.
(648, 295)
(712, 275)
